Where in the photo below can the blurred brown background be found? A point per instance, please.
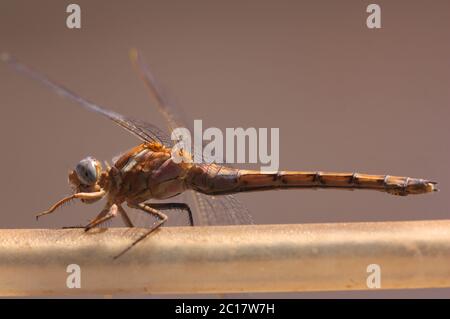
(346, 98)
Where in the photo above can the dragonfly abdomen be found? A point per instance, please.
(396, 185)
(216, 180)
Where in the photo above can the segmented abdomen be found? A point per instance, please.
(215, 180)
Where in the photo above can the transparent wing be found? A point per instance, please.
(209, 210)
(145, 131)
(220, 210)
(172, 116)
(149, 132)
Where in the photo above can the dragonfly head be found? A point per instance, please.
(87, 177)
(89, 181)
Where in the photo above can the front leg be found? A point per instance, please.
(161, 219)
(105, 214)
(87, 196)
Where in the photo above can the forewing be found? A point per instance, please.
(172, 116)
(145, 131)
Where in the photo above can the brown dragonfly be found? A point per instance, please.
(149, 172)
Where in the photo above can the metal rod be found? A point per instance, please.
(224, 259)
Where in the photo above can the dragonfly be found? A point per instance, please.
(147, 174)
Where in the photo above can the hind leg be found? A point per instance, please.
(173, 206)
(161, 219)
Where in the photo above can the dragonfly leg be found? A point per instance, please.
(88, 196)
(73, 227)
(125, 218)
(161, 219)
(104, 215)
(168, 206)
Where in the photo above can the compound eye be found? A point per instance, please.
(87, 171)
